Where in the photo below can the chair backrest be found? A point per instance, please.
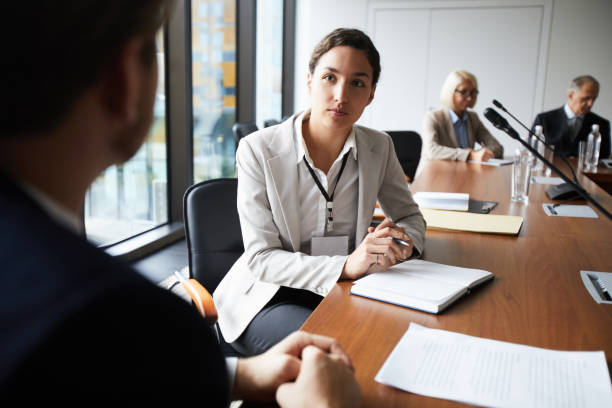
(408, 146)
(270, 122)
(212, 230)
(241, 129)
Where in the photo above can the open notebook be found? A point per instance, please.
(419, 284)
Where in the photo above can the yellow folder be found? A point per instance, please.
(466, 221)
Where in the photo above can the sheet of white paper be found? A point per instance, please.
(424, 269)
(443, 364)
(493, 162)
(579, 211)
(546, 180)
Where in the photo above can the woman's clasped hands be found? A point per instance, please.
(378, 251)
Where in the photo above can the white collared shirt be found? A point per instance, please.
(313, 206)
(568, 111)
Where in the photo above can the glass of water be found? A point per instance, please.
(521, 175)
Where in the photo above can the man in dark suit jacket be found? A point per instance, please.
(571, 123)
(77, 325)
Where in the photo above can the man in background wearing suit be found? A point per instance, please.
(79, 82)
(571, 123)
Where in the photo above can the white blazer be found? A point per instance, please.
(268, 207)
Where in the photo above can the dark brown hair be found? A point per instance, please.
(56, 49)
(350, 37)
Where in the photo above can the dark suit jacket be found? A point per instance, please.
(74, 321)
(554, 126)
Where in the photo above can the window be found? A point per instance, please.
(201, 90)
(213, 37)
(269, 61)
(132, 198)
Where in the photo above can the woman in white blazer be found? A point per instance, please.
(307, 189)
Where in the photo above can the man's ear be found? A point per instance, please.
(122, 81)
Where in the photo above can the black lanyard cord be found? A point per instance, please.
(328, 198)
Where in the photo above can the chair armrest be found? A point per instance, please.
(202, 299)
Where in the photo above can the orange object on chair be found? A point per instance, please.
(200, 297)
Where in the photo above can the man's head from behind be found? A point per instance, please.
(57, 50)
(582, 93)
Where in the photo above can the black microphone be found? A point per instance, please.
(547, 145)
(500, 106)
(502, 124)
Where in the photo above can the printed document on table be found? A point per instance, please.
(444, 364)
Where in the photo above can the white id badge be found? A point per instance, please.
(329, 245)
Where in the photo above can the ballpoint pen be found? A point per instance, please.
(401, 241)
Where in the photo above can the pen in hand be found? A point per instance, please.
(401, 241)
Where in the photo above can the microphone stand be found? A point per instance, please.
(548, 146)
(512, 133)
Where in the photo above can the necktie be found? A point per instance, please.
(575, 126)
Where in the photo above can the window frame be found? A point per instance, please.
(179, 111)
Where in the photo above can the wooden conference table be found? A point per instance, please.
(536, 299)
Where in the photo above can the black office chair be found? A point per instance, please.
(213, 234)
(408, 146)
(270, 122)
(242, 129)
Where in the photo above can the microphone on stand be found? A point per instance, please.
(502, 124)
(500, 106)
(548, 146)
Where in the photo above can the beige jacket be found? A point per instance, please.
(440, 141)
(268, 206)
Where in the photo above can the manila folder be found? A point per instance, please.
(466, 221)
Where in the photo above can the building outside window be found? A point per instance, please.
(269, 61)
(131, 198)
(213, 37)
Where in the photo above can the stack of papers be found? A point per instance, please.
(493, 162)
(546, 180)
(442, 201)
(443, 364)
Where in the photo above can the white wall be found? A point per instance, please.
(577, 35)
(314, 19)
(581, 43)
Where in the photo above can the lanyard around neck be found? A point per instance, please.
(328, 198)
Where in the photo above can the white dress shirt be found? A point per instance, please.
(313, 210)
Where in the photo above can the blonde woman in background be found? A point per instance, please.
(450, 133)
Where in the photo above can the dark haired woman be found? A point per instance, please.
(307, 189)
